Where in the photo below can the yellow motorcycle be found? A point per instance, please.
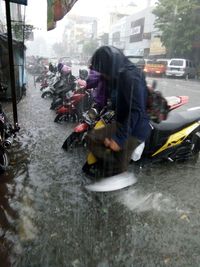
(175, 139)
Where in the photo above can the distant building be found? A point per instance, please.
(111, 18)
(78, 31)
(136, 35)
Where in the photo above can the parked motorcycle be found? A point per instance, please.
(175, 139)
(73, 109)
(59, 101)
(48, 80)
(77, 137)
(60, 87)
(7, 133)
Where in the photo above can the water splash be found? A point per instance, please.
(136, 200)
(27, 229)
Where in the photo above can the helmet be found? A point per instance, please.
(83, 74)
(65, 70)
(59, 67)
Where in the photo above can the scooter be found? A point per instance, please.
(91, 116)
(79, 101)
(175, 140)
(48, 80)
(7, 134)
(58, 102)
(48, 90)
(60, 87)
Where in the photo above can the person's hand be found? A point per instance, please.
(110, 143)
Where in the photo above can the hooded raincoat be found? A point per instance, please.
(128, 91)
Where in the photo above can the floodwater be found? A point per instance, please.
(48, 218)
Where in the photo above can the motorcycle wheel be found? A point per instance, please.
(69, 141)
(46, 95)
(61, 118)
(196, 148)
(56, 104)
(42, 87)
(4, 161)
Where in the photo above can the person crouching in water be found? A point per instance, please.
(113, 144)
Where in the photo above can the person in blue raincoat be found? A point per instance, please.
(127, 89)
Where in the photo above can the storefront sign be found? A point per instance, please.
(136, 31)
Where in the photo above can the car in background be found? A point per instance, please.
(156, 67)
(180, 67)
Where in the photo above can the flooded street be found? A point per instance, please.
(48, 219)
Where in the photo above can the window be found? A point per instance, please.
(175, 62)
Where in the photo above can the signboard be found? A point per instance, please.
(136, 31)
(21, 2)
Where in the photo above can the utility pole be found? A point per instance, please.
(11, 59)
(11, 63)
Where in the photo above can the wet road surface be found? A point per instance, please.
(48, 219)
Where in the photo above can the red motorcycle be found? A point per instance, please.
(74, 106)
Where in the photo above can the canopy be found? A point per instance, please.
(56, 10)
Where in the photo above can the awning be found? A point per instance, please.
(56, 10)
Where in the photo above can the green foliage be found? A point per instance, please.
(179, 24)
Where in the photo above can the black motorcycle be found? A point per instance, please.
(7, 133)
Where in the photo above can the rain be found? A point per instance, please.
(51, 213)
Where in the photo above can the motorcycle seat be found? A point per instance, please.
(176, 121)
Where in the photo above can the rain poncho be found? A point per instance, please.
(128, 92)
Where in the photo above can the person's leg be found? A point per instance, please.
(119, 161)
(110, 162)
(95, 140)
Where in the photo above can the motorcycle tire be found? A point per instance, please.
(61, 118)
(4, 161)
(46, 95)
(196, 146)
(56, 104)
(38, 79)
(42, 87)
(69, 141)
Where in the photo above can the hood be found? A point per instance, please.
(109, 60)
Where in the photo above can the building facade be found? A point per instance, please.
(136, 35)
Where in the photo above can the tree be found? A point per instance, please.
(178, 22)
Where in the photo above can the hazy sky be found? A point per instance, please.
(36, 9)
(36, 14)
